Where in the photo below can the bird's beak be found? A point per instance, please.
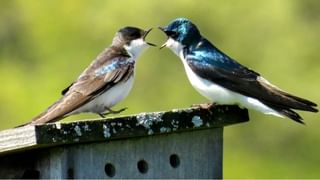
(163, 30)
(145, 35)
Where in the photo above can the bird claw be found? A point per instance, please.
(110, 111)
(204, 106)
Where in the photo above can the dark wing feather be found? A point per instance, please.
(65, 90)
(249, 83)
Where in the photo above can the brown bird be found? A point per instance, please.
(107, 80)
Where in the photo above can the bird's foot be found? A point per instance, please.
(101, 115)
(206, 106)
(110, 111)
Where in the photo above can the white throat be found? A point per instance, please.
(175, 46)
(136, 47)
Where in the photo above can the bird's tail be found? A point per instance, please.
(288, 113)
(59, 110)
(305, 105)
(52, 114)
(44, 116)
(296, 103)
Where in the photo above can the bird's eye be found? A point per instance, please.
(172, 34)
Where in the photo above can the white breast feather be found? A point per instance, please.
(217, 93)
(120, 91)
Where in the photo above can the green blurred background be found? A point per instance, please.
(45, 45)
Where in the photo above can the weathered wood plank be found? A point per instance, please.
(196, 155)
(199, 154)
(189, 145)
(17, 138)
(144, 124)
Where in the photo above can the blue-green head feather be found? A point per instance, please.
(183, 31)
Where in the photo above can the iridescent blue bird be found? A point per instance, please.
(223, 80)
(107, 80)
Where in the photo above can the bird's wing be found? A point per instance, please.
(102, 79)
(65, 90)
(249, 83)
(89, 85)
(110, 59)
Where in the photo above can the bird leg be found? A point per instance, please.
(101, 115)
(110, 111)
